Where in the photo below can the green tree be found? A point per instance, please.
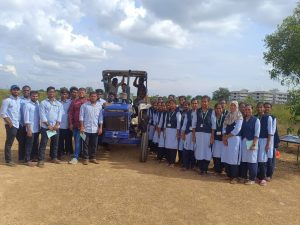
(221, 94)
(283, 50)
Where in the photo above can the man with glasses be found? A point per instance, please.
(10, 112)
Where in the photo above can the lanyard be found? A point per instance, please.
(170, 116)
(219, 122)
(203, 117)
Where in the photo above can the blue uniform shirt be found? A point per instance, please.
(91, 116)
(51, 112)
(64, 124)
(23, 102)
(32, 116)
(11, 108)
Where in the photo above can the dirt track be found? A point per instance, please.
(123, 191)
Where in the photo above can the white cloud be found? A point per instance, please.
(9, 69)
(111, 46)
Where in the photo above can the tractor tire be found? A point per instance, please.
(144, 147)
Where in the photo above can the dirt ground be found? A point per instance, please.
(120, 190)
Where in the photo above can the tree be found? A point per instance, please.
(283, 50)
(221, 94)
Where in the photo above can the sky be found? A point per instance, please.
(189, 47)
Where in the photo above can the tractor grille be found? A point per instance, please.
(116, 123)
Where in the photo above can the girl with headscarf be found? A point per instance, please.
(232, 141)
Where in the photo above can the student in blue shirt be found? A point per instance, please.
(10, 112)
(250, 134)
(91, 120)
(65, 146)
(21, 134)
(50, 114)
(32, 123)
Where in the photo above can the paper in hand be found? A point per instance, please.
(51, 133)
(83, 136)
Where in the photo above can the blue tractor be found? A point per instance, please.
(126, 122)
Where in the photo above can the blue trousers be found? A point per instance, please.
(11, 134)
(232, 170)
(89, 149)
(251, 168)
(78, 143)
(161, 153)
(171, 155)
(203, 165)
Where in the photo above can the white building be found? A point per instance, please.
(239, 95)
(273, 96)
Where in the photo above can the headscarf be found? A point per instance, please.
(233, 116)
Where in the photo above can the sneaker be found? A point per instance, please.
(234, 181)
(73, 161)
(11, 164)
(30, 164)
(263, 183)
(85, 162)
(249, 182)
(268, 179)
(41, 164)
(56, 161)
(94, 161)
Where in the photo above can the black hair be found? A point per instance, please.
(259, 104)
(26, 86)
(92, 93)
(64, 90)
(216, 105)
(205, 97)
(249, 105)
(73, 88)
(50, 88)
(34, 93)
(82, 89)
(268, 103)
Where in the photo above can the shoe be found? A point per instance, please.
(73, 161)
(41, 164)
(85, 162)
(268, 179)
(242, 180)
(11, 164)
(94, 161)
(56, 161)
(263, 183)
(183, 169)
(30, 164)
(171, 165)
(234, 181)
(249, 182)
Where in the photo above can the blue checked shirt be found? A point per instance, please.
(51, 112)
(32, 116)
(11, 108)
(64, 124)
(91, 116)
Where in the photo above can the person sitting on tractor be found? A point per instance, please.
(112, 98)
(114, 85)
(141, 90)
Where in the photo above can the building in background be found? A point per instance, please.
(272, 96)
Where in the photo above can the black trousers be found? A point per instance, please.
(218, 165)
(161, 153)
(262, 170)
(171, 155)
(21, 137)
(232, 170)
(203, 165)
(180, 157)
(188, 158)
(11, 133)
(43, 144)
(251, 168)
(271, 164)
(65, 145)
(32, 146)
(90, 145)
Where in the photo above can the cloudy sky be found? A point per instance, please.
(187, 47)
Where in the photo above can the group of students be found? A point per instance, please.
(241, 144)
(73, 115)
